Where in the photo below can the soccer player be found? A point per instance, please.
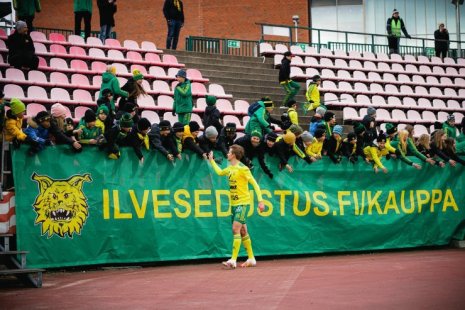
(239, 178)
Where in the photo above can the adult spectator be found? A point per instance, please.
(228, 135)
(254, 147)
(134, 89)
(291, 87)
(162, 138)
(394, 26)
(21, 51)
(210, 141)
(26, 10)
(57, 128)
(107, 10)
(82, 10)
(174, 14)
(441, 43)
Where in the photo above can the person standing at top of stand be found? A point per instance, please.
(174, 14)
(394, 26)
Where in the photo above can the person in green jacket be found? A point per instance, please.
(411, 147)
(110, 81)
(449, 127)
(261, 119)
(82, 10)
(26, 10)
(182, 104)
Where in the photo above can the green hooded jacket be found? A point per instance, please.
(183, 98)
(111, 82)
(26, 7)
(411, 148)
(259, 121)
(451, 131)
(83, 6)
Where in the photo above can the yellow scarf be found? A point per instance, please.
(145, 139)
(177, 4)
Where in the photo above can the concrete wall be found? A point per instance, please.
(143, 19)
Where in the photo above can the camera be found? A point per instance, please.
(295, 18)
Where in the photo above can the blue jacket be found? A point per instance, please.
(36, 132)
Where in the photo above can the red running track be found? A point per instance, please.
(421, 279)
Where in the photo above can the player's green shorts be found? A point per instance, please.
(239, 213)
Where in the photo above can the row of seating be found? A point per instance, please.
(267, 50)
(386, 78)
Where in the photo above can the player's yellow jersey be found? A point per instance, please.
(239, 178)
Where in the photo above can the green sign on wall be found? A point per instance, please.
(234, 44)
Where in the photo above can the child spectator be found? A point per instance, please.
(212, 115)
(178, 130)
(261, 119)
(412, 149)
(134, 88)
(102, 121)
(308, 141)
(87, 131)
(138, 138)
(228, 135)
(117, 135)
(451, 151)
(14, 123)
(438, 148)
(209, 142)
(190, 139)
(107, 100)
(333, 145)
(162, 139)
(423, 146)
(110, 81)
(374, 153)
(290, 87)
(21, 51)
(328, 123)
(359, 131)
(401, 146)
(313, 94)
(284, 149)
(69, 127)
(130, 108)
(369, 121)
(252, 148)
(37, 130)
(57, 128)
(449, 127)
(290, 117)
(316, 120)
(349, 147)
(182, 104)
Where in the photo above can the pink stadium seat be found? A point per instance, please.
(233, 119)
(383, 115)
(114, 44)
(96, 81)
(341, 74)
(419, 130)
(340, 64)
(385, 58)
(462, 93)
(217, 90)
(340, 54)
(439, 104)
(146, 102)
(172, 73)
(421, 91)
(68, 112)
(199, 89)
(370, 66)
(122, 80)
(446, 81)
(350, 114)
(346, 100)
(38, 94)
(38, 78)
(438, 71)
(442, 116)
(296, 61)
(395, 68)
(79, 113)
(360, 76)
(408, 102)
(96, 96)
(38, 36)
(376, 89)
(423, 60)
(394, 102)
(115, 55)
(149, 47)
(61, 64)
(391, 90)
(454, 105)
(449, 61)
(384, 67)
(131, 45)
(3, 47)
(458, 117)
(432, 80)
(59, 79)
(355, 55)
(329, 86)
(98, 67)
(297, 74)
(325, 52)
(410, 59)
(428, 117)
(97, 54)
(121, 69)
(311, 62)
(153, 59)
(58, 50)
(57, 37)
(171, 61)
(135, 57)
(40, 49)
(13, 91)
(326, 63)
(403, 79)
(359, 88)
(43, 63)
(436, 61)
(79, 66)
(76, 40)
(266, 48)
(81, 81)
(418, 79)
(325, 73)
(406, 90)
(452, 72)
(78, 52)
(83, 97)
(3, 34)
(200, 104)
(414, 116)
(152, 116)
(399, 116)
(369, 56)
(436, 92)
(94, 42)
(162, 88)
(280, 48)
(168, 116)
(195, 75)
(141, 68)
(345, 87)
(296, 50)
(378, 101)
(158, 72)
(375, 77)
(330, 97)
(425, 70)
(411, 69)
(425, 104)
(241, 106)
(363, 101)
(33, 108)
(13, 75)
(225, 106)
(61, 95)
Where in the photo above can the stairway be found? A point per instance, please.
(13, 263)
(246, 78)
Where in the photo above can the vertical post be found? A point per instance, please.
(319, 40)
(347, 41)
(457, 16)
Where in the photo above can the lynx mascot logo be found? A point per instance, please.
(61, 206)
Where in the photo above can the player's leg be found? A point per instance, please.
(247, 242)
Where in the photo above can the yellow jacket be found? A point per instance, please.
(13, 129)
(100, 124)
(313, 94)
(314, 149)
(293, 116)
(373, 153)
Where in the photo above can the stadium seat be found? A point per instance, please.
(340, 64)
(41, 50)
(141, 69)
(76, 40)
(37, 94)
(385, 57)
(369, 56)
(346, 87)
(38, 36)
(442, 116)
(113, 44)
(361, 76)
(266, 49)
(146, 102)
(439, 104)
(359, 88)
(397, 68)
(350, 114)
(57, 37)
(14, 76)
(280, 48)
(43, 64)
(225, 106)
(363, 101)
(369, 66)
(376, 89)
(414, 116)
(296, 61)
(148, 46)
(233, 119)
(399, 116)
(355, 55)
(458, 117)
(378, 101)
(81, 81)
(33, 108)
(80, 66)
(61, 95)
(311, 62)
(394, 102)
(423, 59)
(135, 57)
(121, 69)
(326, 52)
(195, 75)
(297, 74)
(403, 79)
(452, 72)
(78, 52)
(326, 63)
(241, 106)
(79, 113)
(410, 59)
(384, 67)
(168, 116)
(199, 89)
(96, 81)
(38, 78)
(94, 42)
(376, 77)
(411, 69)
(343, 75)
(152, 116)
(61, 64)
(218, 91)
(424, 104)
(83, 97)
(158, 73)
(131, 45)
(328, 86)
(200, 105)
(446, 81)
(383, 115)
(408, 102)
(340, 54)
(428, 117)
(153, 59)
(419, 80)
(58, 50)
(98, 67)
(391, 90)
(97, 54)
(454, 105)
(438, 71)
(171, 61)
(162, 88)
(59, 79)
(346, 100)
(326, 73)
(419, 130)
(115, 55)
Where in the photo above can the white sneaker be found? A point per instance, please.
(231, 264)
(251, 262)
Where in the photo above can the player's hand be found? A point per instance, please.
(261, 206)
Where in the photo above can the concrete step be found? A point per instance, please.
(270, 88)
(226, 68)
(246, 81)
(198, 61)
(185, 54)
(214, 74)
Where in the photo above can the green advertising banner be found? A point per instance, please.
(80, 209)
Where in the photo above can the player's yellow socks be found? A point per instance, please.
(248, 245)
(236, 246)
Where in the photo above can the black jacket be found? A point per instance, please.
(441, 45)
(285, 70)
(211, 117)
(19, 44)
(165, 144)
(206, 145)
(171, 12)
(106, 10)
(332, 150)
(250, 152)
(225, 140)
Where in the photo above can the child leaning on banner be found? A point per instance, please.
(161, 139)
(423, 146)
(349, 147)
(87, 132)
(333, 145)
(116, 136)
(13, 128)
(37, 130)
(138, 138)
(374, 153)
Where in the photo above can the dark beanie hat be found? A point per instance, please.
(381, 137)
(328, 116)
(143, 124)
(358, 128)
(164, 125)
(42, 116)
(129, 107)
(391, 128)
(351, 136)
(89, 116)
(106, 92)
(178, 127)
(291, 102)
(69, 121)
(126, 121)
(319, 133)
(437, 125)
(316, 78)
(210, 100)
(230, 127)
(271, 136)
(194, 126)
